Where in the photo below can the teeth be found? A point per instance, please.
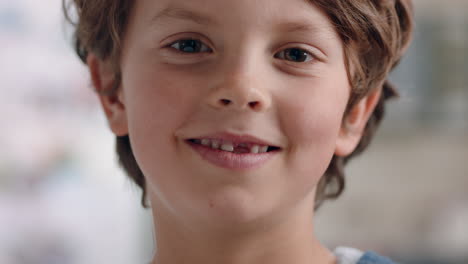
(215, 144)
(255, 149)
(227, 147)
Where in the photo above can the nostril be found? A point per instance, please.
(225, 101)
(253, 104)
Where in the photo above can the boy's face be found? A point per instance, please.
(279, 63)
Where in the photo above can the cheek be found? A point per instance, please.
(156, 98)
(153, 97)
(314, 122)
(155, 105)
(311, 119)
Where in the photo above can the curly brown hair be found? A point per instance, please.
(375, 34)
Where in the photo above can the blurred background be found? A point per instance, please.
(64, 200)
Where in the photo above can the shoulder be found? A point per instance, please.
(346, 255)
(370, 257)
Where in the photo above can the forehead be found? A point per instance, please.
(284, 15)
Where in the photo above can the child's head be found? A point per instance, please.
(309, 77)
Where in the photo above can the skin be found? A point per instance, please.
(203, 213)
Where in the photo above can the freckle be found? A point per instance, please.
(211, 205)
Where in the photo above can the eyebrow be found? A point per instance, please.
(297, 27)
(183, 14)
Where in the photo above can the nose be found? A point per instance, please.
(240, 92)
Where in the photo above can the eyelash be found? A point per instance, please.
(279, 55)
(188, 39)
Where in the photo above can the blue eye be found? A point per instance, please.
(295, 55)
(190, 46)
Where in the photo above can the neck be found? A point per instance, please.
(289, 239)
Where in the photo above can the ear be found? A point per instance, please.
(103, 79)
(354, 123)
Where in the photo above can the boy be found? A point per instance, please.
(236, 118)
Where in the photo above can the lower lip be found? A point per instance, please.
(231, 160)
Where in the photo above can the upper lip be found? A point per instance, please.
(237, 139)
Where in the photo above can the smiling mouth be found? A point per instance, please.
(237, 148)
